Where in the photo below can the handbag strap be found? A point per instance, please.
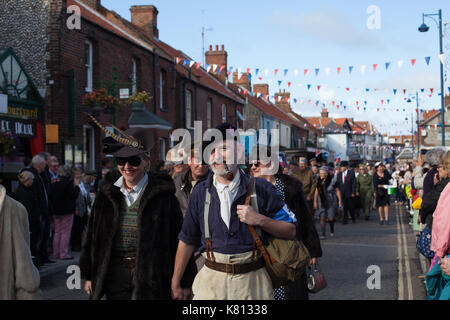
(258, 243)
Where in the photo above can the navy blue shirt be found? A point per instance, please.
(237, 239)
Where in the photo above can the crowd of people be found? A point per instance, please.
(181, 230)
(58, 200)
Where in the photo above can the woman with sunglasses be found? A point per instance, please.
(131, 241)
(291, 191)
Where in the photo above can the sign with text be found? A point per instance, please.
(51, 133)
(18, 127)
(124, 93)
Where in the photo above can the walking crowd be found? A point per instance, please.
(198, 230)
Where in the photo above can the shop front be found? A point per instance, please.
(21, 118)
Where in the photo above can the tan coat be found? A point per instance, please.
(309, 184)
(19, 278)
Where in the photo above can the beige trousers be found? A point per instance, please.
(215, 285)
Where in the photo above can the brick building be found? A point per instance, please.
(107, 51)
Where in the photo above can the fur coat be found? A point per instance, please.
(159, 222)
(19, 278)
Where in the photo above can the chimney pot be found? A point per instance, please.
(210, 47)
(217, 47)
(223, 48)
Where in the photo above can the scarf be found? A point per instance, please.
(227, 193)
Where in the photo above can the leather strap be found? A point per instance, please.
(258, 243)
(237, 268)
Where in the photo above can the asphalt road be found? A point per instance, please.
(387, 249)
(361, 251)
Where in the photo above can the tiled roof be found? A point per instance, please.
(267, 107)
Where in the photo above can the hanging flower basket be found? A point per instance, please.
(138, 100)
(99, 100)
(6, 143)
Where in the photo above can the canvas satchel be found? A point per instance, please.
(285, 260)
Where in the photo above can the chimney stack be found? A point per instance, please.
(324, 113)
(262, 88)
(283, 104)
(244, 81)
(94, 4)
(145, 17)
(219, 58)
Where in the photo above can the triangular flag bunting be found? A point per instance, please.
(350, 68)
(427, 60)
(387, 64)
(339, 70)
(276, 71)
(317, 71)
(413, 61)
(375, 65)
(285, 72)
(400, 63)
(305, 72)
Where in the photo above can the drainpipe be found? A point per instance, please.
(154, 83)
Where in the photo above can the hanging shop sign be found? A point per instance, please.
(18, 127)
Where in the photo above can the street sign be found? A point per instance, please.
(124, 93)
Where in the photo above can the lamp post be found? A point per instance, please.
(425, 28)
(418, 122)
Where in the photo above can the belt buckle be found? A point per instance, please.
(233, 269)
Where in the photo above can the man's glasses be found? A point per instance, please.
(134, 161)
(255, 164)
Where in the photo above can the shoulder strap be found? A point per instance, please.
(258, 242)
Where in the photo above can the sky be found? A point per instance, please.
(320, 36)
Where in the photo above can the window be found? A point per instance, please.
(162, 148)
(224, 112)
(133, 76)
(163, 90)
(208, 114)
(189, 109)
(88, 65)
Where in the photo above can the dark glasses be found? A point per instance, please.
(255, 164)
(132, 161)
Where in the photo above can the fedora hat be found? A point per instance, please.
(128, 143)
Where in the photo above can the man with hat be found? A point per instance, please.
(309, 183)
(313, 162)
(347, 186)
(130, 244)
(218, 220)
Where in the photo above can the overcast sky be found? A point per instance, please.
(324, 35)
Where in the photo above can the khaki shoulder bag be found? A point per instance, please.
(285, 260)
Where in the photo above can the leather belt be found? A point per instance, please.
(237, 268)
(129, 262)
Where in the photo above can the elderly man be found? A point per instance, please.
(432, 158)
(306, 177)
(131, 240)
(217, 220)
(42, 192)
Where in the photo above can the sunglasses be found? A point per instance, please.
(134, 161)
(255, 164)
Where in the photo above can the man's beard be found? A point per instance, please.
(222, 172)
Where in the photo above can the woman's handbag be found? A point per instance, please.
(285, 260)
(316, 280)
(424, 242)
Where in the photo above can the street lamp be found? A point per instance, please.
(424, 28)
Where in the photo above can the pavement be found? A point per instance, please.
(59, 265)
